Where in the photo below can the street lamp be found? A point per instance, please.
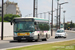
(49, 19)
(60, 11)
(2, 22)
(56, 21)
(34, 8)
(57, 13)
(52, 20)
(49, 16)
(64, 18)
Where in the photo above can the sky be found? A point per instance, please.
(26, 7)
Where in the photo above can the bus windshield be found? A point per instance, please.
(24, 26)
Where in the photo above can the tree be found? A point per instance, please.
(71, 25)
(67, 25)
(9, 17)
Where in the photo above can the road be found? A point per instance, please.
(24, 43)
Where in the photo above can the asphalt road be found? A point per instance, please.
(24, 43)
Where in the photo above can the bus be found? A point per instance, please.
(31, 29)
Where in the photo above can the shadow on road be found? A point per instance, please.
(14, 41)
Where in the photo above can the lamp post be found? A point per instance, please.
(57, 13)
(49, 19)
(2, 22)
(60, 11)
(56, 21)
(49, 16)
(34, 8)
(52, 20)
(64, 18)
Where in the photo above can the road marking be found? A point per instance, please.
(36, 44)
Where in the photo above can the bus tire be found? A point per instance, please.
(45, 38)
(38, 38)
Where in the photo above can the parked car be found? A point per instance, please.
(60, 33)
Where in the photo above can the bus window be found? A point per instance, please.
(43, 26)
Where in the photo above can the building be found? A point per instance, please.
(11, 8)
(69, 22)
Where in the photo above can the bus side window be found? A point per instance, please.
(35, 23)
(36, 26)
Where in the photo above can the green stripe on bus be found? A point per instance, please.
(40, 19)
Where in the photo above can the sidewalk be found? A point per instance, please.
(70, 31)
(53, 35)
(6, 40)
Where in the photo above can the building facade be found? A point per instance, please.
(11, 8)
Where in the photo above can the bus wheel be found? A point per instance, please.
(38, 38)
(45, 38)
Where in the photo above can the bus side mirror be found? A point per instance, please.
(11, 22)
(35, 23)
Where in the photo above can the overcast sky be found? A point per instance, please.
(26, 7)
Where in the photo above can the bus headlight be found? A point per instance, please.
(32, 34)
(15, 34)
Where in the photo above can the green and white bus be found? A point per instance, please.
(31, 29)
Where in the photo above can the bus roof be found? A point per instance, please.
(31, 18)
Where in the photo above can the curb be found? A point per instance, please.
(70, 31)
(3, 41)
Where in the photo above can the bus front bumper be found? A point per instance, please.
(23, 38)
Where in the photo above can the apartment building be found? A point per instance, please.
(11, 8)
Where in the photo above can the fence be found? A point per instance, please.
(8, 29)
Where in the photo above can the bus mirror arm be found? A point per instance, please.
(11, 22)
(35, 23)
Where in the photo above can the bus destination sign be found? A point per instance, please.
(29, 20)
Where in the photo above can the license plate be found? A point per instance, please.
(23, 38)
(59, 35)
(23, 34)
